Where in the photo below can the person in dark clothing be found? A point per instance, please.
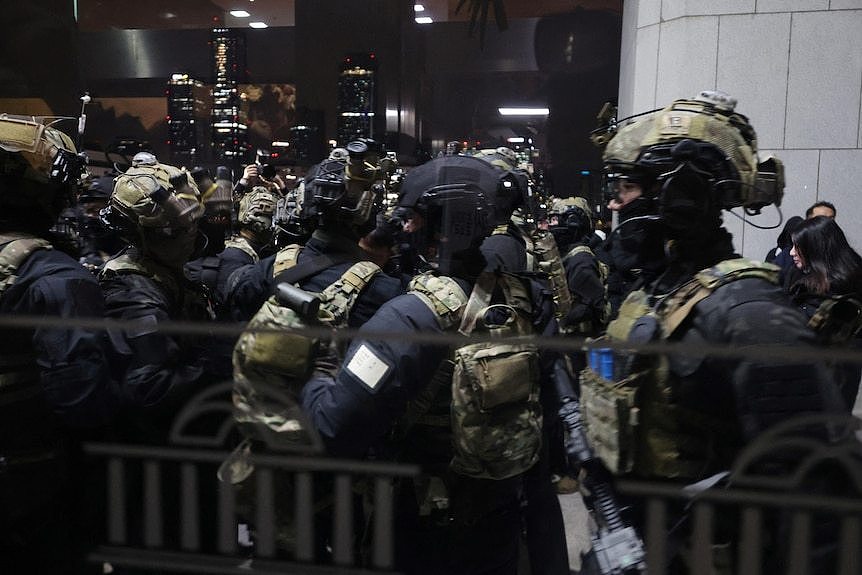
(704, 409)
(97, 242)
(338, 196)
(56, 386)
(780, 254)
(333, 247)
(631, 251)
(829, 290)
(363, 404)
(156, 207)
(570, 222)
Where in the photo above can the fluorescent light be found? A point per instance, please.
(239, 14)
(424, 20)
(278, 144)
(390, 113)
(258, 24)
(524, 111)
(418, 8)
(516, 140)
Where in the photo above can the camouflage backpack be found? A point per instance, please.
(618, 409)
(496, 419)
(273, 358)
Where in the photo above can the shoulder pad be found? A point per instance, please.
(635, 306)
(442, 295)
(286, 258)
(15, 252)
(339, 297)
(124, 264)
(241, 243)
(581, 249)
(734, 269)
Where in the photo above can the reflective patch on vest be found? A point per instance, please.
(367, 367)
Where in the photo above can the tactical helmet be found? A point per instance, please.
(154, 197)
(698, 143)
(97, 189)
(453, 197)
(569, 220)
(39, 171)
(513, 189)
(344, 191)
(257, 209)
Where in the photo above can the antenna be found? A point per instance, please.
(82, 119)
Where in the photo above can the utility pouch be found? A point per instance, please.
(610, 413)
(496, 415)
(270, 355)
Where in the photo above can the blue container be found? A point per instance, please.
(606, 363)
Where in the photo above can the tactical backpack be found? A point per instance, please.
(495, 415)
(17, 247)
(604, 271)
(630, 417)
(274, 353)
(543, 255)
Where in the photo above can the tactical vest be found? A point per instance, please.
(631, 419)
(543, 255)
(281, 356)
(242, 244)
(126, 264)
(495, 416)
(605, 315)
(19, 374)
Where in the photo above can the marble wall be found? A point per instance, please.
(795, 66)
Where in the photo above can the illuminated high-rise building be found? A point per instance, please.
(229, 131)
(188, 118)
(356, 98)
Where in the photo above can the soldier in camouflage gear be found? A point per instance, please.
(55, 381)
(696, 411)
(394, 397)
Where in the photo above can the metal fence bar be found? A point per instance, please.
(851, 542)
(265, 513)
(190, 523)
(702, 539)
(152, 502)
(384, 552)
(304, 517)
(116, 501)
(800, 541)
(227, 527)
(656, 536)
(342, 533)
(289, 463)
(751, 526)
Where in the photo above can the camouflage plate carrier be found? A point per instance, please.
(495, 416)
(633, 423)
(271, 366)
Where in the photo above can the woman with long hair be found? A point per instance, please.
(829, 290)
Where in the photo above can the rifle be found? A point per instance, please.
(617, 546)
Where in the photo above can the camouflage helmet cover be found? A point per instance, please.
(562, 205)
(40, 162)
(157, 196)
(709, 118)
(257, 208)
